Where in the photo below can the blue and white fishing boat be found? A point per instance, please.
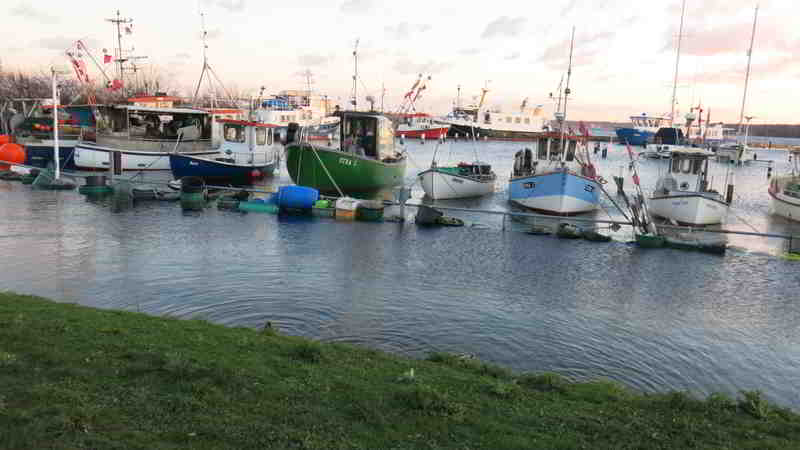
(555, 182)
(249, 151)
(562, 179)
(643, 130)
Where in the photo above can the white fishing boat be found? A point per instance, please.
(785, 191)
(478, 121)
(683, 195)
(145, 136)
(463, 180)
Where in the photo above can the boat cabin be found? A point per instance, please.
(152, 123)
(242, 141)
(688, 166)
(477, 169)
(367, 135)
(669, 136)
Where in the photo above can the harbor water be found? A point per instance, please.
(654, 320)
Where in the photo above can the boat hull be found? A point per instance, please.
(781, 204)
(467, 131)
(218, 172)
(633, 136)
(93, 157)
(688, 209)
(430, 133)
(354, 175)
(560, 193)
(439, 185)
(41, 154)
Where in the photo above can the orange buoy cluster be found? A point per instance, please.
(10, 152)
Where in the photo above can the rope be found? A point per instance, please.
(326, 170)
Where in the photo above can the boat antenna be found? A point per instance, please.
(747, 72)
(207, 68)
(354, 100)
(118, 21)
(677, 61)
(566, 94)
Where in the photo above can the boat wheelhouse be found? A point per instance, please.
(557, 178)
(248, 151)
(785, 191)
(363, 160)
(684, 195)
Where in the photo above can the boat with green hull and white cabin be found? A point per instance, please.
(360, 161)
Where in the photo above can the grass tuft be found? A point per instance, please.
(308, 351)
(544, 382)
(473, 365)
(429, 401)
(754, 403)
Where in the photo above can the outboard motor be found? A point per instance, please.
(291, 132)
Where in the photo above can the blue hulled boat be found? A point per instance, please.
(35, 133)
(553, 181)
(249, 151)
(634, 136)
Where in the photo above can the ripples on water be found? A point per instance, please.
(654, 320)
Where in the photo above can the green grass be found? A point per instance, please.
(75, 377)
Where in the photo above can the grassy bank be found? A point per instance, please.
(75, 377)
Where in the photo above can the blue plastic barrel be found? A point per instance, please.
(297, 197)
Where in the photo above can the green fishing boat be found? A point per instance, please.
(360, 162)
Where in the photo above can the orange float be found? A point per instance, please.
(11, 152)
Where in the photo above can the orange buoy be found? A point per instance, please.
(12, 153)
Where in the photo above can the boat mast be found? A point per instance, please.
(205, 62)
(677, 62)
(566, 94)
(56, 161)
(120, 59)
(354, 101)
(458, 98)
(747, 72)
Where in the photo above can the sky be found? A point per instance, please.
(623, 61)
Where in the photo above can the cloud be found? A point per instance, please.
(782, 67)
(595, 5)
(469, 51)
(313, 60)
(230, 5)
(512, 56)
(731, 38)
(406, 66)
(403, 30)
(183, 56)
(357, 6)
(505, 27)
(29, 12)
(62, 43)
(586, 48)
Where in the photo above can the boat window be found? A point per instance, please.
(527, 121)
(261, 136)
(541, 149)
(571, 150)
(360, 136)
(517, 120)
(686, 165)
(676, 165)
(234, 133)
(508, 119)
(270, 136)
(697, 165)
